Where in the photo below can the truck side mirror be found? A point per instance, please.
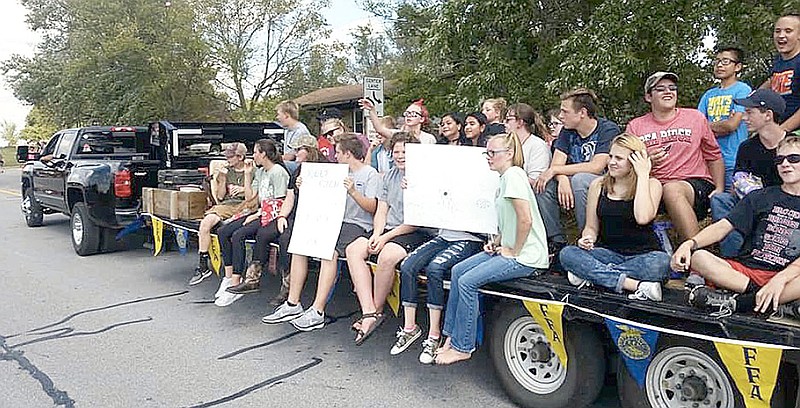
(24, 154)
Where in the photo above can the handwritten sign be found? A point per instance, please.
(320, 210)
(450, 187)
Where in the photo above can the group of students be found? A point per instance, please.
(679, 161)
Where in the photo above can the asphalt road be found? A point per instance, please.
(124, 330)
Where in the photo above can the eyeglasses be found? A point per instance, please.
(492, 153)
(511, 118)
(665, 88)
(331, 132)
(725, 61)
(554, 125)
(793, 158)
(412, 114)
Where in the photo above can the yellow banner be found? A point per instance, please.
(215, 254)
(754, 370)
(394, 296)
(158, 235)
(548, 316)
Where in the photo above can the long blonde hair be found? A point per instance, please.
(511, 142)
(634, 144)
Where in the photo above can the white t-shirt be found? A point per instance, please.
(537, 156)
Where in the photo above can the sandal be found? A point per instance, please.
(357, 323)
(362, 335)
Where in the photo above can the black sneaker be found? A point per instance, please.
(200, 274)
(703, 297)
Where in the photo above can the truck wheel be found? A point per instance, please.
(31, 209)
(85, 234)
(683, 373)
(531, 373)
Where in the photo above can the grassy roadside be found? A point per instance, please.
(9, 156)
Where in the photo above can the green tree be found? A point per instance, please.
(9, 132)
(115, 62)
(258, 46)
(39, 126)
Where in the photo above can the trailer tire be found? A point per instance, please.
(85, 234)
(546, 385)
(676, 357)
(34, 215)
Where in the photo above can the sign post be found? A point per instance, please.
(373, 91)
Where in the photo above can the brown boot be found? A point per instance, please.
(284, 292)
(252, 280)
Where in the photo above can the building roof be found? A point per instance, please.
(336, 95)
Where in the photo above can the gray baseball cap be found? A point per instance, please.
(652, 80)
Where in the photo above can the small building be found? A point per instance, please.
(345, 98)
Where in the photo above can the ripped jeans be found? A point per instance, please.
(437, 256)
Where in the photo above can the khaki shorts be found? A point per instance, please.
(225, 211)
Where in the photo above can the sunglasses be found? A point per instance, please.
(664, 88)
(412, 114)
(793, 158)
(330, 132)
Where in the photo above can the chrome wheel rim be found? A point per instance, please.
(539, 377)
(77, 228)
(685, 377)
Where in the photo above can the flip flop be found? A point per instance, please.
(362, 335)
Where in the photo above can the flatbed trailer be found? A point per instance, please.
(553, 345)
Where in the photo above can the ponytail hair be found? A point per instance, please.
(511, 142)
(268, 147)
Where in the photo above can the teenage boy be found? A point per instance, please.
(785, 78)
(362, 189)
(685, 154)
(287, 113)
(754, 168)
(725, 116)
(580, 156)
(765, 272)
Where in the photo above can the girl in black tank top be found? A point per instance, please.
(618, 248)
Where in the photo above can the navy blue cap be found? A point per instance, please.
(766, 99)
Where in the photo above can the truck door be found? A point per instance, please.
(60, 167)
(43, 173)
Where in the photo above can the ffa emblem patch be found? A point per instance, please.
(632, 344)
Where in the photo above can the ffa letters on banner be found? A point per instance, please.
(548, 316)
(754, 369)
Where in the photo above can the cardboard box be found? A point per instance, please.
(175, 205)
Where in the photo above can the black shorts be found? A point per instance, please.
(410, 242)
(349, 233)
(702, 188)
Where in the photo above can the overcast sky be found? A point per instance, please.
(15, 38)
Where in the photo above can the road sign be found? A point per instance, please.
(373, 91)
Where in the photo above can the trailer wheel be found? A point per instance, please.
(531, 373)
(85, 234)
(683, 373)
(34, 216)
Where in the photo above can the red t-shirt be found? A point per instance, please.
(689, 141)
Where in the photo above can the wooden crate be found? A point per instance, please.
(187, 205)
(175, 205)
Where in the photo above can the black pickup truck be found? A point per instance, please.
(95, 174)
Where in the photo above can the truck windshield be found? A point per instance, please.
(106, 143)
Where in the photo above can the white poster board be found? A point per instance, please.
(450, 187)
(320, 210)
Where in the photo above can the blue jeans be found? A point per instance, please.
(721, 205)
(436, 256)
(461, 317)
(550, 209)
(609, 269)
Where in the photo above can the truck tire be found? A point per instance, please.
(683, 372)
(85, 234)
(31, 210)
(546, 384)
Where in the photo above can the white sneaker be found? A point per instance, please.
(226, 298)
(576, 280)
(310, 319)
(429, 347)
(224, 284)
(647, 291)
(283, 313)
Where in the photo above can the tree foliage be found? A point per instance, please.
(458, 52)
(115, 61)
